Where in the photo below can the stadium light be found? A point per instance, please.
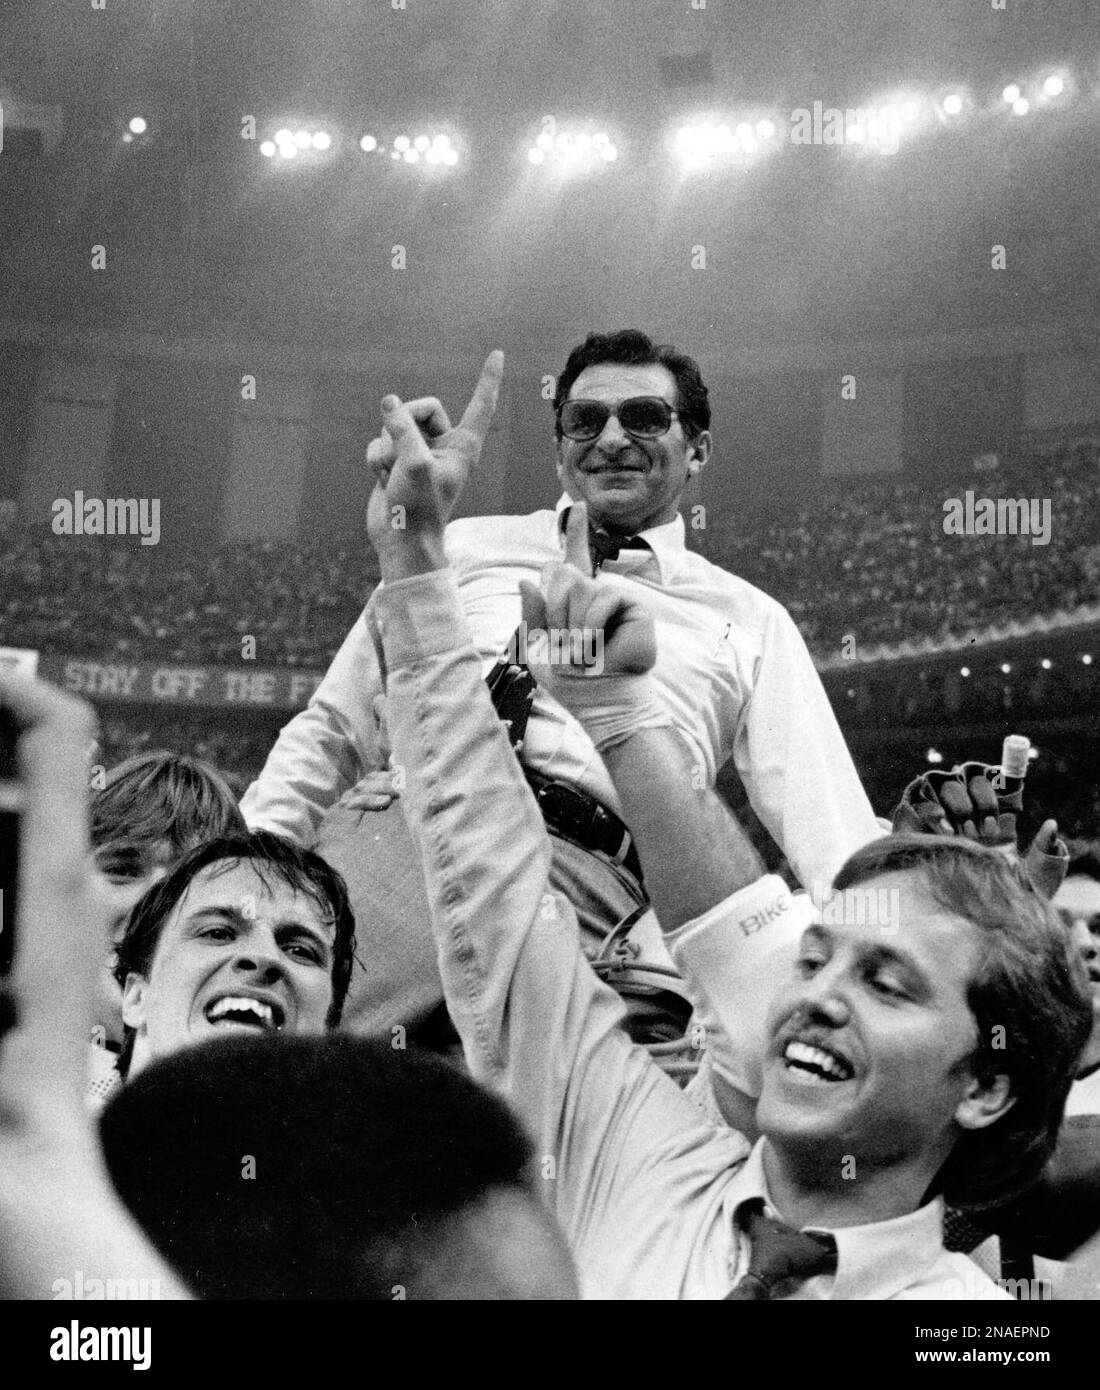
(1086, 660)
(953, 104)
(267, 149)
(964, 671)
(368, 144)
(138, 125)
(402, 143)
(1045, 663)
(1006, 667)
(1011, 94)
(321, 140)
(1054, 85)
(1021, 106)
(572, 150)
(934, 756)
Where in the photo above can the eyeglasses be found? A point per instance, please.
(644, 417)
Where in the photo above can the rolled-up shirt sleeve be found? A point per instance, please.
(733, 958)
(325, 749)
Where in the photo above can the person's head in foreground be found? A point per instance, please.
(1077, 902)
(631, 466)
(929, 1037)
(247, 934)
(336, 1167)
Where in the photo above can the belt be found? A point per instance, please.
(576, 816)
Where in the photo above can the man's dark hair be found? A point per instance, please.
(629, 347)
(1028, 993)
(271, 856)
(1084, 862)
(305, 1167)
(163, 796)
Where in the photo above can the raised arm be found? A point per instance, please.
(730, 929)
(335, 740)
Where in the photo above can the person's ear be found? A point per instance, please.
(985, 1102)
(134, 998)
(698, 453)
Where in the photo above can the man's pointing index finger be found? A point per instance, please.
(478, 415)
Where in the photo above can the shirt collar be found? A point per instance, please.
(667, 541)
(875, 1261)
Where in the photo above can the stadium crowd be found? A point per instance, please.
(588, 1046)
(873, 558)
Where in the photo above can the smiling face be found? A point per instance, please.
(868, 1041)
(629, 484)
(238, 953)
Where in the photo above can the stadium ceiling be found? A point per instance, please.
(205, 235)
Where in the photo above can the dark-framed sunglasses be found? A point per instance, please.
(644, 417)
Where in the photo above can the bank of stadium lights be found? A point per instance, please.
(423, 149)
(436, 150)
(703, 144)
(573, 150)
(933, 756)
(1049, 89)
(289, 144)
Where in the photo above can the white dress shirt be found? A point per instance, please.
(731, 667)
(648, 1192)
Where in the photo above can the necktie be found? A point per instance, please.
(779, 1254)
(603, 546)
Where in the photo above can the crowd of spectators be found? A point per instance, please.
(872, 558)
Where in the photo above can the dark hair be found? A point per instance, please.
(1028, 993)
(630, 347)
(164, 796)
(363, 1157)
(1084, 862)
(269, 853)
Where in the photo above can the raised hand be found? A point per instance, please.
(418, 476)
(572, 601)
(58, 1210)
(970, 802)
